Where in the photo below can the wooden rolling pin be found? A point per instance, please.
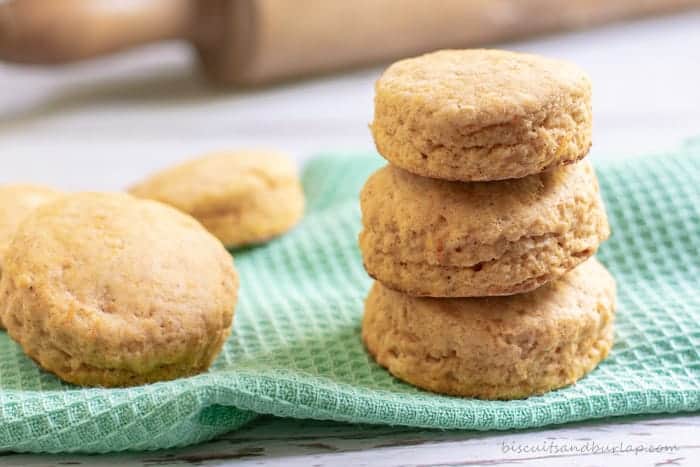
(257, 41)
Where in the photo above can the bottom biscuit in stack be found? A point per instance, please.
(495, 347)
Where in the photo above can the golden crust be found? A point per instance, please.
(242, 197)
(479, 115)
(429, 237)
(495, 348)
(109, 290)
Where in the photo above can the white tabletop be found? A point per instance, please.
(104, 124)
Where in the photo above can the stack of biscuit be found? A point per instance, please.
(481, 231)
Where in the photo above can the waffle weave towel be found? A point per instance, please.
(296, 349)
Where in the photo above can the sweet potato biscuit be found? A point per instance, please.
(429, 237)
(109, 290)
(495, 347)
(478, 115)
(242, 197)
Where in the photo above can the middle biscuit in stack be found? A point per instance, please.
(436, 238)
(508, 210)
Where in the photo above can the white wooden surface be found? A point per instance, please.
(104, 124)
(627, 442)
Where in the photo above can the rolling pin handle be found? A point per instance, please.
(58, 31)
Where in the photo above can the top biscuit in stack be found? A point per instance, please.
(481, 115)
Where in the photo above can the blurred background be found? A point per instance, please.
(95, 93)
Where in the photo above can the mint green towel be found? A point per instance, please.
(296, 349)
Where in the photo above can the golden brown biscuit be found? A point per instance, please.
(429, 237)
(478, 115)
(498, 347)
(16, 202)
(242, 198)
(109, 290)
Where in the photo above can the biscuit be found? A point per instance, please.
(495, 347)
(479, 115)
(429, 237)
(242, 198)
(16, 201)
(109, 290)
